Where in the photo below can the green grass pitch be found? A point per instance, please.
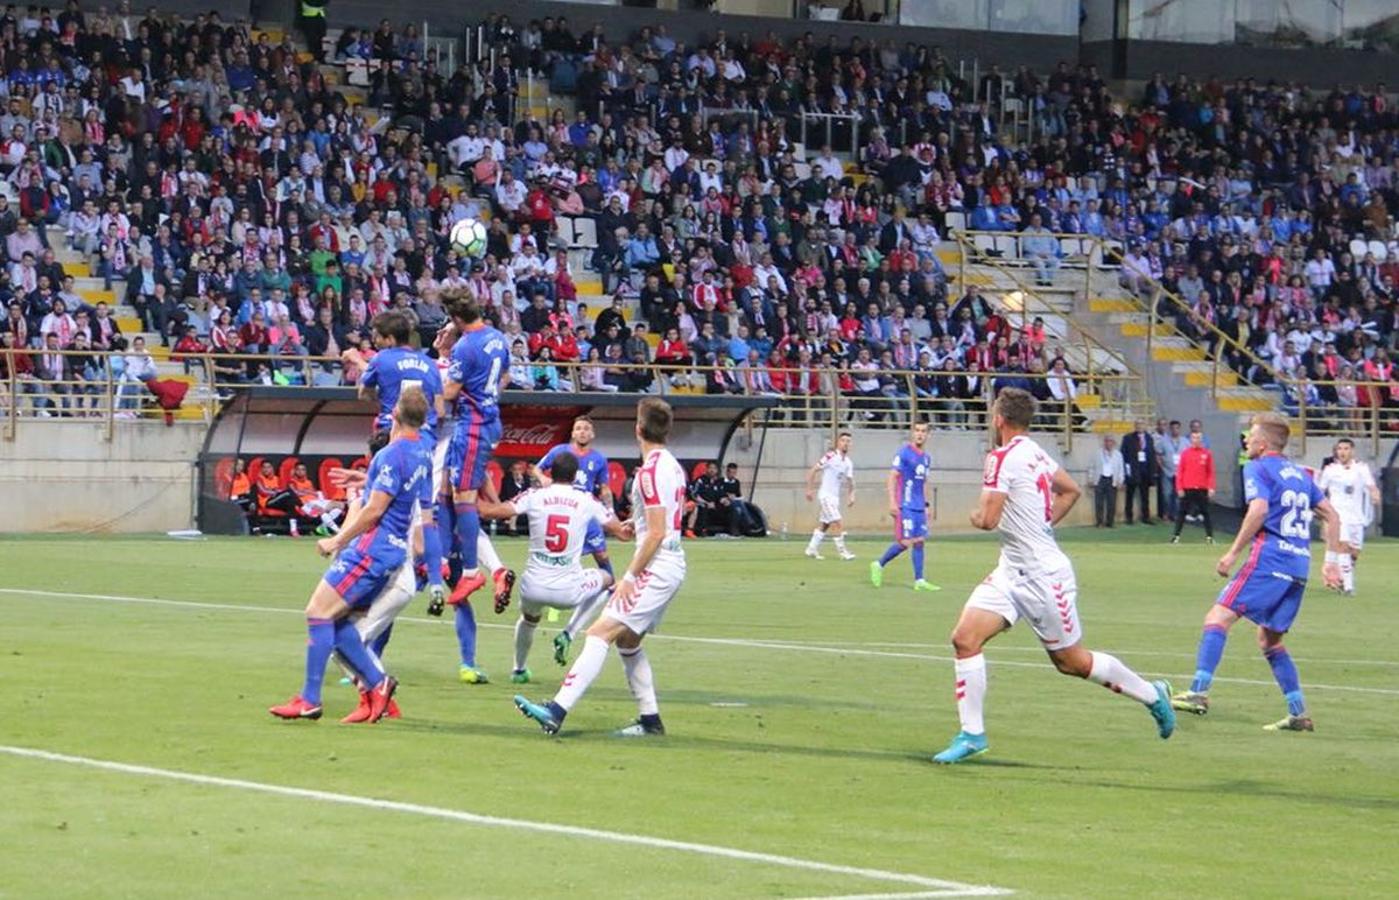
(802, 707)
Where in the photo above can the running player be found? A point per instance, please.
(1024, 495)
(908, 504)
(651, 581)
(1350, 486)
(368, 552)
(1268, 588)
(591, 479)
(837, 474)
(560, 515)
(478, 372)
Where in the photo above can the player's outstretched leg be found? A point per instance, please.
(643, 687)
(582, 615)
(813, 546)
(550, 715)
(877, 567)
(319, 645)
(1113, 674)
(1207, 657)
(1285, 673)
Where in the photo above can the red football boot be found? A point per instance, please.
(504, 585)
(361, 712)
(467, 586)
(380, 698)
(296, 708)
(392, 711)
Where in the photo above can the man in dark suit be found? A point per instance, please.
(515, 483)
(1139, 466)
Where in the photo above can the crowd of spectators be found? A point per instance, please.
(235, 198)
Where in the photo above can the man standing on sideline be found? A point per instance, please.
(1194, 484)
(1170, 444)
(1139, 466)
(1110, 477)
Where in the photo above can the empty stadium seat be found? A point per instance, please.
(332, 491)
(616, 478)
(284, 470)
(495, 474)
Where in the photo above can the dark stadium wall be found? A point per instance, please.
(1317, 67)
(1038, 51)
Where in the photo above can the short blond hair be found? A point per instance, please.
(411, 409)
(1275, 429)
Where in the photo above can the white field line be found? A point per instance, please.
(899, 645)
(933, 887)
(688, 639)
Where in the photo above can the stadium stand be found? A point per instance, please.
(847, 220)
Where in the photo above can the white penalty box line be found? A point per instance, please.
(758, 644)
(927, 887)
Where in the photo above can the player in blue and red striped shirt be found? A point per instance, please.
(1267, 589)
(369, 550)
(478, 372)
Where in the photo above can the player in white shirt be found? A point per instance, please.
(837, 475)
(1024, 495)
(642, 596)
(559, 516)
(1350, 485)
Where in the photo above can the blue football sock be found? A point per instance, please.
(605, 564)
(466, 633)
(894, 550)
(322, 641)
(468, 530)
(352, 650)
(1285, 673)
(917, 551)
(382, 641)
(447, 525)
(1208, 656)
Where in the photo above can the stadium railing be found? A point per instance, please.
(1099, 256)
(1028, 301)
(828, 397)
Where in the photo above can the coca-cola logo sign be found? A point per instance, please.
(529, 431)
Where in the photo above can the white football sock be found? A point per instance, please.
(1348, 571)
(485, 552)
(971, 693)
(1113, 674)
(815, 542)
(840, 543)
(584, 612)
(524, 639)
(640, 680)
(585, 668)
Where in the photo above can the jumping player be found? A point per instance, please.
(1349, 484)
(837, 473)
(591, 479)
(1024, 495)
(560, 515)
(503, 578)
(640, 601)
(368, 552)
(395, 365)
(479, 370)
(908, 504)
(1268, 588)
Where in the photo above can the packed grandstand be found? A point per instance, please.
(197, 205)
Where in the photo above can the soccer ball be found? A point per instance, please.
(469, 238)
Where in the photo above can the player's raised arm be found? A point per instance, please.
(1066, 493)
